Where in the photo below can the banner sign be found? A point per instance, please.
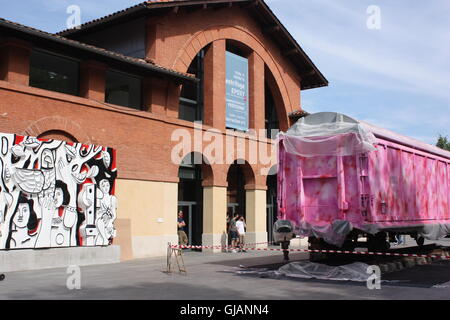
(237, 111)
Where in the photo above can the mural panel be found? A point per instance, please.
(55, 193)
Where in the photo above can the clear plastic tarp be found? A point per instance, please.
(356, 271)
(407, 141)
(283, 230)
(335, 134)
(328, 134)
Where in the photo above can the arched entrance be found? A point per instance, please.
(190, 197)
(236, 190)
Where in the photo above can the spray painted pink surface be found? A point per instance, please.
(393, 187)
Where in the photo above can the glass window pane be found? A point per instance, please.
(188, 111)
(123, 90)
(191, 96)
(270, 114)
(55, 73)
(189, 91)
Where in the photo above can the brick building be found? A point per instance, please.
(131, 79)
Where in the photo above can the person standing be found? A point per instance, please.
(232, 231)
(240, 225)
(182, 237)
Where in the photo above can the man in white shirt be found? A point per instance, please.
(240, 225)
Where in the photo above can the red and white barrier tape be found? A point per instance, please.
(255, 243)
(216, 247)
(394, 254)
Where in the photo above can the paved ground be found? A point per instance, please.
(209, 278)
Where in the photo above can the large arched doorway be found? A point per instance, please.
(235, 191)
(240, 174)
(190, 197)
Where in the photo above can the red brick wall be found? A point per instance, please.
(143, 138)
(176, 38)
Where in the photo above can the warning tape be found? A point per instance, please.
(392, 254)
(216, 247)
(255, 243)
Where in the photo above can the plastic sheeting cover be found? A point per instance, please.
(283, 230)
(334, 233)
(309, 270)
(407, 141)
(328, 134)
(356, 271)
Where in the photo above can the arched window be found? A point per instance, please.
(191, 96)
(57, 135)
(271, 118)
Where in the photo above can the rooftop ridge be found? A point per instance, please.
(21, 27)
(311, 76)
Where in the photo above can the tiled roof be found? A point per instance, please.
(141, 7)
(96, 50)
(310, 74)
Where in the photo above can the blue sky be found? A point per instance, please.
(397, 77)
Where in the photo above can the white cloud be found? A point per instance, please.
(396, 77)
(397, 57)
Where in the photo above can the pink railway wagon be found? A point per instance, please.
(340, 179)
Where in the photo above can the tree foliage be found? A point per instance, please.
(443, 143)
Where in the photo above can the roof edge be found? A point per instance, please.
(94, 50)
(311, 78)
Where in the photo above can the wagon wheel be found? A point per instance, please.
(2, 277)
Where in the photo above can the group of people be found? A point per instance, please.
(236, 231)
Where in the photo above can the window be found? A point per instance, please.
(237, 48)
(191, 96)
(53, 72)
(123, 89)
(271, 117)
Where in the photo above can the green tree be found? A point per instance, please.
(443, 143)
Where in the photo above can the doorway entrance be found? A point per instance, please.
(236, 190)
(189, 209)
(232, 209)
(190, 199)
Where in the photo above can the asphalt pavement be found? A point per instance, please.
(212, 276)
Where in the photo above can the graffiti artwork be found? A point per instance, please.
(55, 193)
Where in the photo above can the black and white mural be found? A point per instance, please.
(55, 193)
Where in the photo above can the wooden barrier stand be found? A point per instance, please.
(174, 255)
